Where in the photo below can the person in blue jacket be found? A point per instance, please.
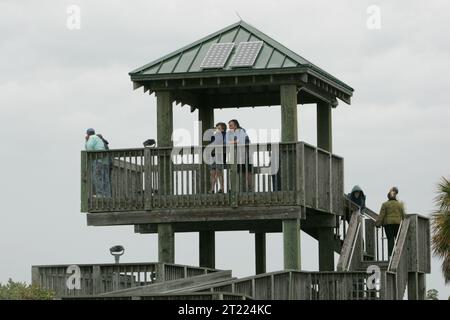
(358, 197)
(100, 170)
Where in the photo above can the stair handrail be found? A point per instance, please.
(397, 271)
(348, 248)
(370, 214)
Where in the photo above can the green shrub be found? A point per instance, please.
(23, 291)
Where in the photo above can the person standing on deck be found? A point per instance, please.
(392, 212)
(219, 154)
(239, 137)
(100, 166)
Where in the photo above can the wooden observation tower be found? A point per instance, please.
(164, 189)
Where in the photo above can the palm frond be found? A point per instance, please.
(440, 222)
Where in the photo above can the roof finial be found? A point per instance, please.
(237, 13)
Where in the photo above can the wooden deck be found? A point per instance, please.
(155, 185)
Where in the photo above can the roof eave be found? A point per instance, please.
(243, 72)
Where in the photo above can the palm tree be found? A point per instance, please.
(440, 223)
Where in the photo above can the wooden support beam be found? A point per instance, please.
(166, 243)
(291, 244)
(164, 113)
(200, 214)
(326, 249)
(206, 116)
(85, 174)
(207, 249)
(260, 252)
(136, 85)
(324, 126)
(244, 99)
(288, 97)
(416, 286)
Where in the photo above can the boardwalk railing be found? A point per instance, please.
(284, 174)
(85, 280)
(171, 296)
(300, 285)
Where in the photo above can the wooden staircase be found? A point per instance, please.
(365, 249)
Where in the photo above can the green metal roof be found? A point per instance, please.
(187, 60)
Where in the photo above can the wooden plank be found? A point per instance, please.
(193, 214)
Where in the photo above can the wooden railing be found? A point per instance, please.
(102, 278)
(300, 285)
(397, 273)
(411, 254)
(365, 242)
(352, 251)
(172, 296)
(284, 174)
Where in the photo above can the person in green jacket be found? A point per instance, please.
(100, 172)
(392, 212)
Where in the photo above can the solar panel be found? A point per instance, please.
(217, 55)
(246, 54)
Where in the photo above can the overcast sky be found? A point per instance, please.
(56, 82)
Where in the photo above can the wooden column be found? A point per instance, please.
(416, 286)
(166, 243)
(291, 244)
(324, 141)
(324, 127)
(164, 114)
(260, 252)
(422, 286)
(206, 116)
(326, 249)
(289, 127)
(207, 249)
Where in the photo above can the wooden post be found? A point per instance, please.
(207, 249)
(260, 252)
(206, 116)
(166, 243)
(324, 126)
(422, 287)
(289, 127)
(370, 238)
(326, 249)
(97, 280)
(84, 182)
(416, 286)
(164, 114)
(291, 244)
(324, 141)
(35, 276)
